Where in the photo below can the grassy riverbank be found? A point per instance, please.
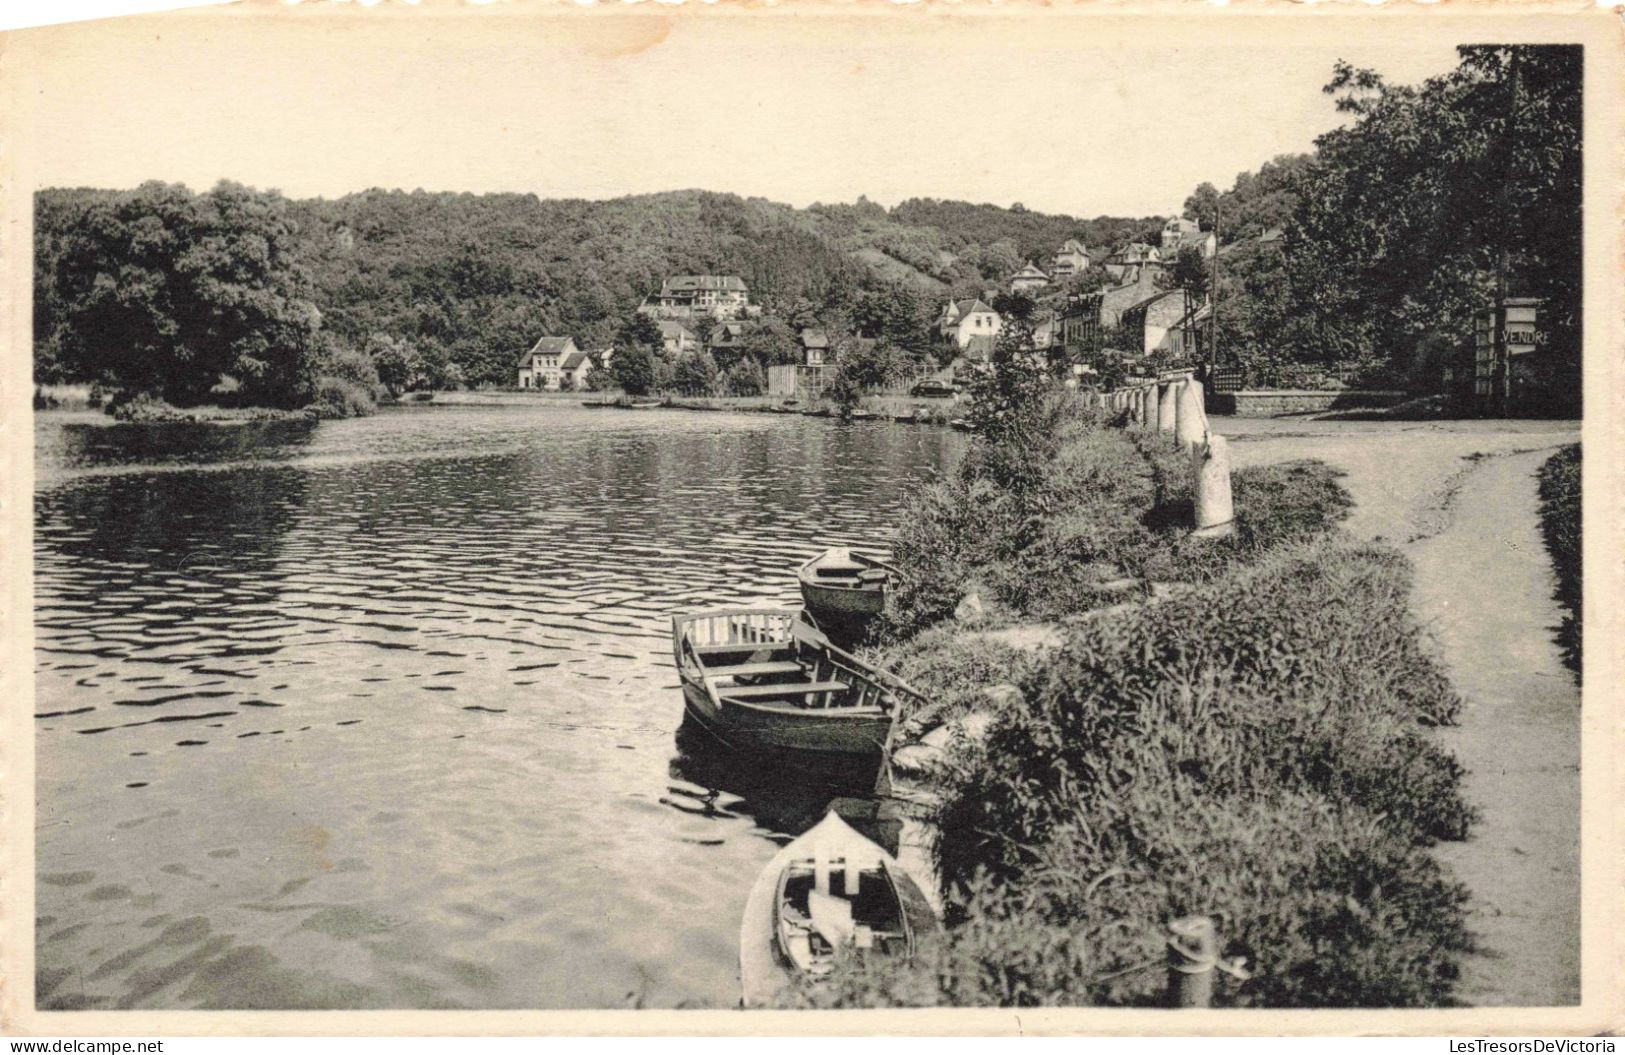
(1238, 728)
(1560, 523)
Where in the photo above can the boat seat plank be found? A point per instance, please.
(797, 688)
(748, 648)
(739, 670)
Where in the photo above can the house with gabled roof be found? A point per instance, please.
(543, 365)
(1165, 322)
(675, 338)
(1028, 280)
(697, 296)
(1071, 259)
(963, 319)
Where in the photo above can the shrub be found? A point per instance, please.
(348, 364)
(1248, 751)
(1560, 523)
(1324, 904)
(952, 669)
(745, 378)
(1044, 519)
(338, 397)
(143, 407)
(695, 373)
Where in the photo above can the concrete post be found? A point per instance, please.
(1193, 952)
(1167, 401)
(1148, 403)
(1190, 421)
(1215, 511)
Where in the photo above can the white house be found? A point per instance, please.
(1072, 259)
(543, 365)
(962, 320)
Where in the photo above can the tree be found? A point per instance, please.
(745, 378)
(395, 362)
(772, 343)
(160, 290)
(695, 373)
(634, 370)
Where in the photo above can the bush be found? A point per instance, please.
(1046, 519)
(745, 378)
(1325, 906)
(338, 397)
(695, 374)
(1560, 523)
(348, 364)
(1247, 751)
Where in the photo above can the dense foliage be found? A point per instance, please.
(1560, 523)
(448, 289)
(1397, 228)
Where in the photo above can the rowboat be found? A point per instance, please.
(844, 591)
(861, 415)
(643, 404)
(762, 680)
(828, 894)
(962, 425)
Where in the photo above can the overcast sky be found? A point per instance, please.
(1086, 116)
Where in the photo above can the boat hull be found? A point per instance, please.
(842, 612)
(760, 730)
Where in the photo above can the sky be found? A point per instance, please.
(1083, 115)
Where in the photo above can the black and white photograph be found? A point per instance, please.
(732, 509)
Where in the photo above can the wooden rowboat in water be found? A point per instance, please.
(844, 590)
(828, 894)
(763, 681)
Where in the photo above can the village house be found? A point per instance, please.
(1094, 313)
(1164, 323)
(1180, 232)
(962, 320)
(728, 341)
(815, 348)
(675, 338)
(1129, 259)
(543, 366)
(1070, 260)
(696, 296)
(1028, 280)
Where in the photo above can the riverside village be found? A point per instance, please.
(689, 599)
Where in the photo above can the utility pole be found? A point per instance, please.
(1213, 310)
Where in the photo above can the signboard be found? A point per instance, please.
(1226, 379)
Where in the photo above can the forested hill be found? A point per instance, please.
(475, 279)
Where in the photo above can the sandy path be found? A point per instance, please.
(1486, 583)
(1484, 586)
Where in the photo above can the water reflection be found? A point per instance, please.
(385, 713)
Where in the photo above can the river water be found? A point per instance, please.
(382, 713)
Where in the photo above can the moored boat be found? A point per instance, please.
(844, 591)
(827, 894)
(761, 680)
(962, 425)
(642, 404)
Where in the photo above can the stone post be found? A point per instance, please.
(1190, 420)
(1167, 401)
(1215, 512)
(1148, 400)
(1193, 952)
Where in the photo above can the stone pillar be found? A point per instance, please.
(1148, 403)
(1190, 420)
(1215, 511)
(1167, 400)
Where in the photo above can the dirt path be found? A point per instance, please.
(1485, 582)
(1484, 587)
